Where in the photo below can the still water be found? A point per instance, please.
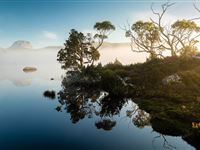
(30, 121)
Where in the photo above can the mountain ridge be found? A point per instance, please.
(21, 44)
(27, 45)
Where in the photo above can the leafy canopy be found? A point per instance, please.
(145, 37)
(185, 25)
(103, 29)
(78, 51)
(146, 31)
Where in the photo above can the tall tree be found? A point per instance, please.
(188, 51)
(168, 40)
(186, 33)
(145, 37)
(103, 29)
(80, 49)
(176, 37)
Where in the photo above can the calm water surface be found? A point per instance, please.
(30, 121)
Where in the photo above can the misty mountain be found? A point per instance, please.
(21, 45)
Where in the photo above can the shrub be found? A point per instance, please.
(111, 83)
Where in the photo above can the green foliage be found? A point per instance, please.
(188, 51)
(78, 51)
(191, 79)
(185, 25)
(146, 31)
(186, 33)
(103, 29)
(92, 74)
(111, 83)
(172, 107)
(147, 78)
(146, 38)
(104, 26)
(153, 38)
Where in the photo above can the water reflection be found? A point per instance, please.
(175, 126)
(105, 124)
(139, 117)
(90, 102)
(49, 94)
(166, 144)
(21, 83)
(85, 102)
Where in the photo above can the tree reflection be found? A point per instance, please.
(86, 102)
(83, 102)
(166, 144)
(105, 124)
(79, 102)
(139, 117)
(89, 102)
(49, 94)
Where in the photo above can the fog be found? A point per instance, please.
(121, 52)
(12, 62)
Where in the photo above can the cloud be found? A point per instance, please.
(50, 35)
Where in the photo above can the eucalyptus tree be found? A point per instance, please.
(179, 36)
(186, 33)
(155, 37)
(103, 29)
(168, 41)
(76, 52)
(145, 37)
(79, 49)
(152, 36)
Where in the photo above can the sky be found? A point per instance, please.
(48, 22)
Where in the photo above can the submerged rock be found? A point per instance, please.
(29, 69)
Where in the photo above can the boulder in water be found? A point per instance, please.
(29, 69)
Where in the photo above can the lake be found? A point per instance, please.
(29, 120)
